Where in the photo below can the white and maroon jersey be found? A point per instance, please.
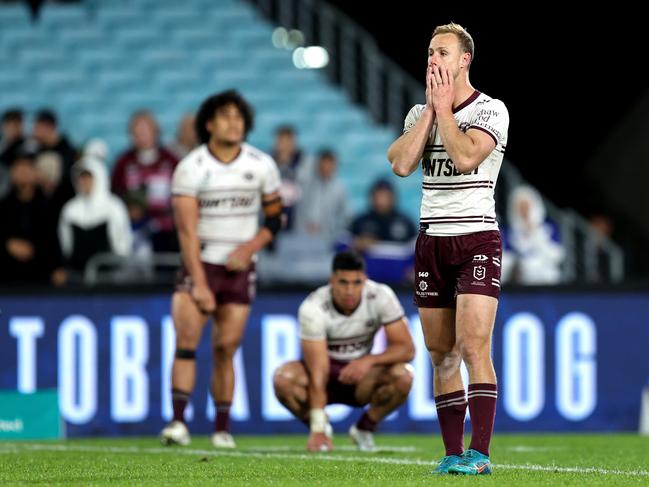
(455, 203)
(348, 337)
(229, 196)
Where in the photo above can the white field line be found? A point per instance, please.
(18, 447)
(532, 449)
(378, 449)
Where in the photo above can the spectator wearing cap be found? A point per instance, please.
(144, 172)
(383, 222)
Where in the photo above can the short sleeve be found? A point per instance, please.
(389, 306)
(272, 180)
(411, 119)
(492, 118)
(312, 326)
(186, 179)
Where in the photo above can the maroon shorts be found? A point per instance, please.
(337, 392)
(227, 286)
(463, 264)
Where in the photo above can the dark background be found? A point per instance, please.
(567, 78)
(574, 80)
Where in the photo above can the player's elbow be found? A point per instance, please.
(466, 165)
(400, 171)
(399, 160)
(401, 168)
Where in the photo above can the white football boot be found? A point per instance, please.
(175, 433)
(223, 439)
(364, 439)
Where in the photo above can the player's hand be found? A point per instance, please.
(239, 259)
(355, 370)
(203, 297)
(319, 442)
(443, 90)
(429, 88)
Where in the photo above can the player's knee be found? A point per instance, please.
(187, 337)
(383, 394)
(282, 383)
(225, 349)
(447, 362)
(438, 348)
(472, 351)
(402, 377)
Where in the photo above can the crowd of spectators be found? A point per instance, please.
(63, 206)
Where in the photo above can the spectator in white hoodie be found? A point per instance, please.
(533, 253)
(94, 221)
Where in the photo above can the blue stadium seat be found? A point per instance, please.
(21, 36)
(194, 38)
(176, 16)
(63, 17)
(162, 58)
(87, 37)
(138, 38)
(14, 14)
(237, 13)
(117, 16)
(109, 82)
(219, 59)
(58, 80)
(94, 59)
(33, 59)
(96, 63)
(10, 82)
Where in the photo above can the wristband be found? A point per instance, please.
(318, 419)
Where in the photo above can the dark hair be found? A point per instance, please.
(214, 103)
(13, 115)
(24, 155)
(382, 184)
(327, 154)
(285, 130)
(46, 116)
(348, 260)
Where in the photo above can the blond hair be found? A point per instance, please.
(466, 41)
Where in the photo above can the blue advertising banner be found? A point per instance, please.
(565, 362)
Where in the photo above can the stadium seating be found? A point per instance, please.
(96, 61)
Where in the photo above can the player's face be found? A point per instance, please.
(347, 288)
(444, 51)
(227, 126)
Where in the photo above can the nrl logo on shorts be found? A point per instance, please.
(423, 285)
(479, 272)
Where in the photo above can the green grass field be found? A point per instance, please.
(527, 460)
